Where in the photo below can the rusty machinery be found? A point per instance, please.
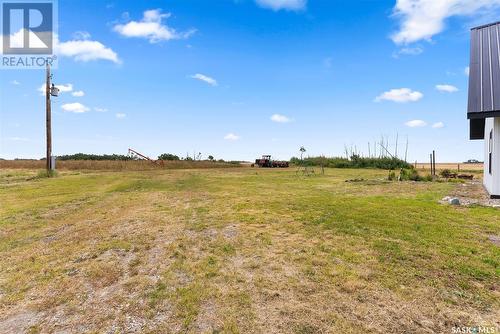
(267, 162)
(134, 154)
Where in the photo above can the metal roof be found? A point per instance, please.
(484, 72)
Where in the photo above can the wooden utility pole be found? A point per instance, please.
(48, 122)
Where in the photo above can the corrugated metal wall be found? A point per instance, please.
(484, 74)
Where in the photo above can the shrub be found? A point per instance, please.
(428, 178)
(168, 157)
(355, 161)
(409, 175)
(445, 173)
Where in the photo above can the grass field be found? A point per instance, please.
(242, 250)
(114, 165)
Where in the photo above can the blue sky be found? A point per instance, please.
(240, 78)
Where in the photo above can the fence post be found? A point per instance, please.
(434, 161)
(432, 173)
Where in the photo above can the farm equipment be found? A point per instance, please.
(267, 162)
(138, 156)
(446, 173)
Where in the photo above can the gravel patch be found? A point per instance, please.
(471, 193)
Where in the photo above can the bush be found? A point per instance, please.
(412, 175)
(428, 178)
(168, 157)
(355, 161)
(445, 173)
(409, 175)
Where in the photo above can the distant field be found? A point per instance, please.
(113, 165)
(452, 166)
(242, 250)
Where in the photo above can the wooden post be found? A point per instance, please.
(431, 164)
(434, 161)
(48, 123)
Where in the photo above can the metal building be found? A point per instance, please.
(483, 109)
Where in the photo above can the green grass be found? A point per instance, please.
(243, 250)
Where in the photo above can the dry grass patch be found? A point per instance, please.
(241, 251)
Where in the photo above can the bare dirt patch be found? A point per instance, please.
(473, 193)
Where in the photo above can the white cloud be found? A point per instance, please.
(282, 4)
(416, 123)
(152, 28)
(280, 118)
(76, 107)
(408, 51)
(422, 19)
(62, 88)
(98, 109)
(17, 139)
(400, 95)
(81, 48)
(78, 93)
(120, 115)
(207, 79)
(17, 39)
(447, 88)
(86, 50)
(81, 35)
(438, 125)
(232, 137)
(467, 70)
(15, 82)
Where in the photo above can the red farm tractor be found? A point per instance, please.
(267, 162)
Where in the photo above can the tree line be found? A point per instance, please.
(121, 157)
